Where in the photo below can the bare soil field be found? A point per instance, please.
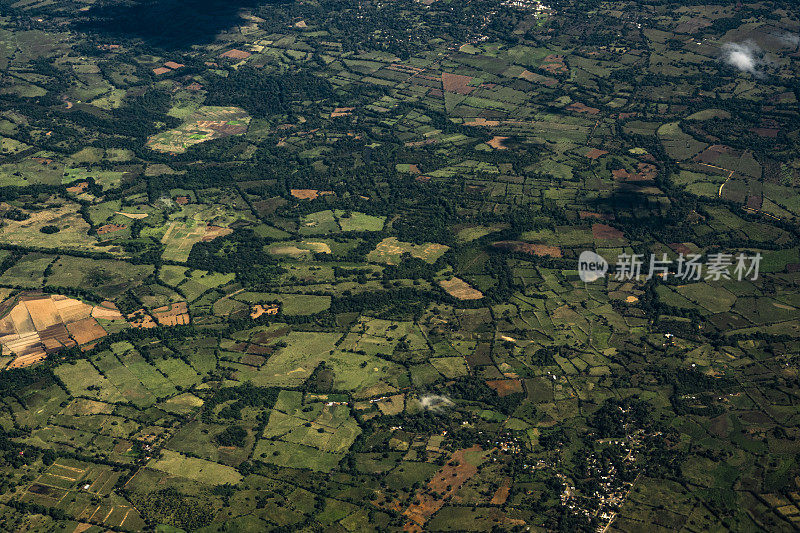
(605, 232)
(504, 387)
(496, 142)
(460, 289)
(172, 314)
(39, 324)
(455, 83)
(530, 248)
(445, 483)
(308, 194)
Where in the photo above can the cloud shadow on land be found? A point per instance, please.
(167, 24)
(622, 201)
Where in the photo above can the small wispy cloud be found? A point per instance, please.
(435, 402)
(790, 39)
(745, 57)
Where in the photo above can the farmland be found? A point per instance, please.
(272, 266)
(205, 124)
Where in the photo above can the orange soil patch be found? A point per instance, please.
(172, 314)
(173, 64)
(194, 86)
(605, 232)
(591, 214)
(554, 64)
(646, 172)
(212, 232)
(497, 143)
(161, 70)
(555, 68)
(456, 83)
(621, 174)
(181, 200)
(110, 228)
(414, 169)
(543, 250)
(385, 501)
(79, 188)
(578, 107)
(308, 194)
(594, 153)
(538, 78)
(141, 320)
(27, 360)
(460, 289)
(259, 310)
(504, 387)
(86, 330)
(480, 121)
(446, 482)
(529, 248)
(342, 112)
(107, 311)
(235, 54)
(501, 495)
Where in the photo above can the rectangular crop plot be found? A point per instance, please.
(82, 379)
(294, 363)
(149, 376)
(179, 372)
(200, 470)
(125, 380)
(296, 456)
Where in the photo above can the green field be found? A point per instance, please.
(197, 469)
(314, 267)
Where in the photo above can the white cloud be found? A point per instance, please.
(745, 57)
(434, 402)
